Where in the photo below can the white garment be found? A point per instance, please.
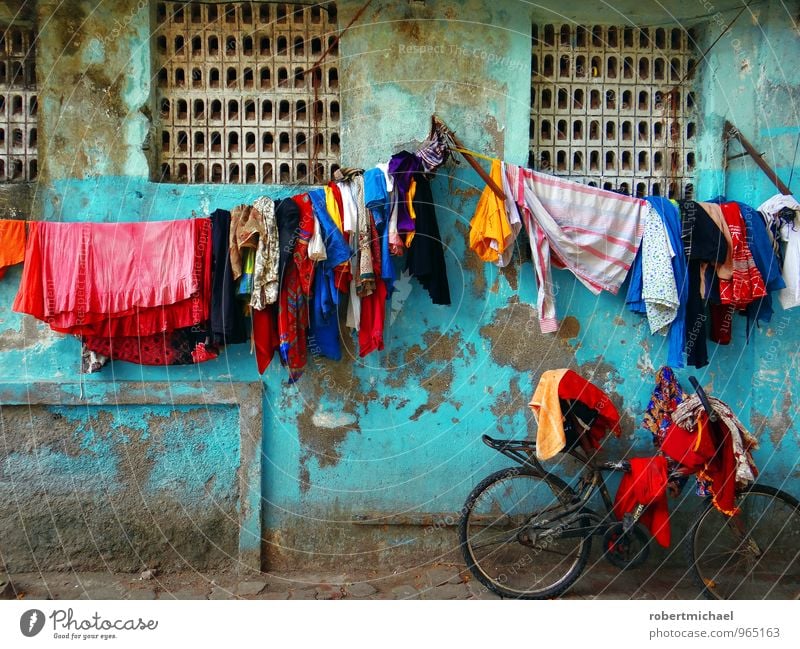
(773, 205)
(349, 209)
(316, 246)
(384, 167)
(790, 233)
(514, 220)
(659, 290)
(790, 296)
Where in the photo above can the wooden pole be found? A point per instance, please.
(473, 162)
(732, 132)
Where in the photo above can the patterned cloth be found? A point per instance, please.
(433, 152)
(265, 272)
(294, 297)
(659, 290)
(365, 275)
(686, 415)
(746, 284)
(667, 395)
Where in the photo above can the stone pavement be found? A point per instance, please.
(430, 582)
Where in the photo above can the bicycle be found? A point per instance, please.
(526, 534)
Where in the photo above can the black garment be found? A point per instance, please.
(228, 324)
(287, 216)
(425, 259)
(703, 243)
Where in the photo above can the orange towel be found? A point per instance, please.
(12, 244)
(490, 232)
(550, 438)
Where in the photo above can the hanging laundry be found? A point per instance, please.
(705, 246)
(765, 260)
(12, 244)
(512, 214)
(646, 484)
(287, 216)
(316, 247)
(782, 215)
(746, 283)
(425, 260)
(373, 306)
(402, 168)
(555, 385)
(490, 233)
(659, 290)
(592, 232)
(266, 271)
(118, 279)
(295, 291)
(228, 324)
(247, 226)
(433, 152)
(378, 202)
(179, 347)
(324, 320)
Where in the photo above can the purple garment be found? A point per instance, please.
(402, 168)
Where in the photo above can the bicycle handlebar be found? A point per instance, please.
(712, 414)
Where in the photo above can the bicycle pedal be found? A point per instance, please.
(627, 522)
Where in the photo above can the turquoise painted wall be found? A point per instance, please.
(398, 433)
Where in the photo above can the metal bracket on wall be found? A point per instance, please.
(731, 132)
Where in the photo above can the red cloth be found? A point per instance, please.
(294, 294)
(746, 284)
(117, 279)
(721, 323)
(573, 386)
(265, 336)
(12, 244)
(707, 450)
(373, 306)
(646, 484)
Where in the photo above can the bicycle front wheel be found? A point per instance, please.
(504, 547)
(753, 555)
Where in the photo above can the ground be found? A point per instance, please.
(438, 581)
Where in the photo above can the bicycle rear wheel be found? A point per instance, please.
(755, 554)
(504, 552)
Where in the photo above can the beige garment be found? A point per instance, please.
(265, 273)
(725, 271)
(546, 406)
(316, 247)
(246, 226)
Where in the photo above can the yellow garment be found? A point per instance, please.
(412, 189)
(490, 232)
(333, 208)
(550, 438)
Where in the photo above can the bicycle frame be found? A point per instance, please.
(566, 513)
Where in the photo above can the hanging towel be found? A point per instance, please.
(555, 385)
(592, 232)
(12, 244)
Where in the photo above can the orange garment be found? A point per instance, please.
(646, 484)
(550, 438)
(12, 244)
(566, 385)
(490, 232)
